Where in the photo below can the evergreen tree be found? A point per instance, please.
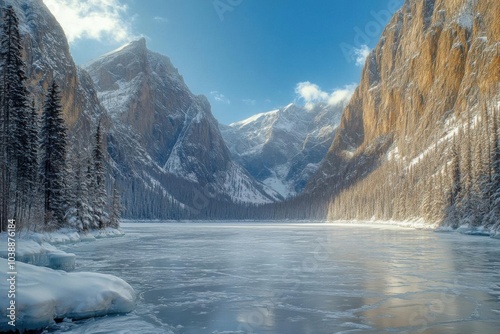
(90, 183)
(116, 208)
(494, 215)
(465, 168)
(79, 214)
(452, 214)
(82, 201)
(14, 117)
(53, 158)
(31, 161)
(100, 195)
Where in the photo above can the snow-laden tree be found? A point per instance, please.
(90, 182)
(455, 194)
(100, 199)
(31, 184)
(79, 214)
(116, 208)
(494, 215)
(15, 137)
(53, 158)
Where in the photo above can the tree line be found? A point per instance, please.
(455, 182)
(46, 181)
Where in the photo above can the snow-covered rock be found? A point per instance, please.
(43, 295)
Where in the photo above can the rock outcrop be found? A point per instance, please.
(436, 61)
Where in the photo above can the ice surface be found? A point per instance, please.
(43, 294)
(263, 277)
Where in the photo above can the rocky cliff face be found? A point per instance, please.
(437, 60)
(283, 148)
(167, 132)
(47, 57)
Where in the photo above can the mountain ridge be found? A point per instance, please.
(283, 148)
(178, 135)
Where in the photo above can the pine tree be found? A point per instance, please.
(116, 208)
(90, 182)
(452, 214)
(494, 215)
(14, 116)
(31, 160)
(79, 214)
(466, 207)
(84, 215)
(100, 195)
(53, 158)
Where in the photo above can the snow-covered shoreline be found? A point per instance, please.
(39, 248)
(43, 295)
(420, 224)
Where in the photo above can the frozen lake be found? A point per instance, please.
(291, 278)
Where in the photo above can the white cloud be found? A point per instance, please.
(341, 95)
(160, 19)
(312, 94)
(249, 102)
(92, 19)
(361, 55)
(221, 98)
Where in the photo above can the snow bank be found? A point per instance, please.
(68, 236)
(420, 224)
(43, 295)
(417, 224)
(37, 248)
(495, 235)
(479, 230)
(39, 253)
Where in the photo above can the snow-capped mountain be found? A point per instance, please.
(167, 132)
(283, 148)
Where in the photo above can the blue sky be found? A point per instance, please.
(246, 56)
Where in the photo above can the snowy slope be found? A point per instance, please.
(282, 148)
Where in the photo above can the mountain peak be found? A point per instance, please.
(138, 43)
(135, 46)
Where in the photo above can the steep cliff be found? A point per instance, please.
(437, 62)
(47, 57)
